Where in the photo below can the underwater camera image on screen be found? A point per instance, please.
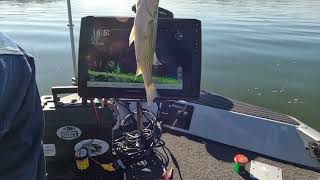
(112, 63)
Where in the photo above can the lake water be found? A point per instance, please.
(262, 52)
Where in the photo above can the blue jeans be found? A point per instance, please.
(21, 116)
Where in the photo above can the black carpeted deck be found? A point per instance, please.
(197, 158)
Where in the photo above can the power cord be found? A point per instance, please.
(131, 147)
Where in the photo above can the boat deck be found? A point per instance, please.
(197, 158)
(192, 157)
(220, 102)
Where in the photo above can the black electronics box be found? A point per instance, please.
(107, 64)
(70, 125)
(176, 114)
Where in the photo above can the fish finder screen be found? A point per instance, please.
(107, 64)
(112, 63)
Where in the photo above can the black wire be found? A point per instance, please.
(97, 121)
(137, 152)
(131, 147)
(165, 159)
(159, 109)
(125, 106)
(175, 162)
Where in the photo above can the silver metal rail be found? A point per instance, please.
(74, 59)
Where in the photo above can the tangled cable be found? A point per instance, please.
(131, 146)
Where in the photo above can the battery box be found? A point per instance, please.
(70, 125)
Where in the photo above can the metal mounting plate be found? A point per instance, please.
(263, 171)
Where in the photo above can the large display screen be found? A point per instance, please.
(115, 65)
(107, 64)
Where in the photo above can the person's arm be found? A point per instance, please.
(15, 76)
(21, 116)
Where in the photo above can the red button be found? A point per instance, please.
(241, 159)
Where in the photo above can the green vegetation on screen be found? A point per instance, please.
(129, 77)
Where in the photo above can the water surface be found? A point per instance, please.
(262, 52)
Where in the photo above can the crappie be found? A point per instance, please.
(144, 35)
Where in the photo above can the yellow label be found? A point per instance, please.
(108, 167)
(82, 164)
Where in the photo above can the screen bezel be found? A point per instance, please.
(191, 88)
